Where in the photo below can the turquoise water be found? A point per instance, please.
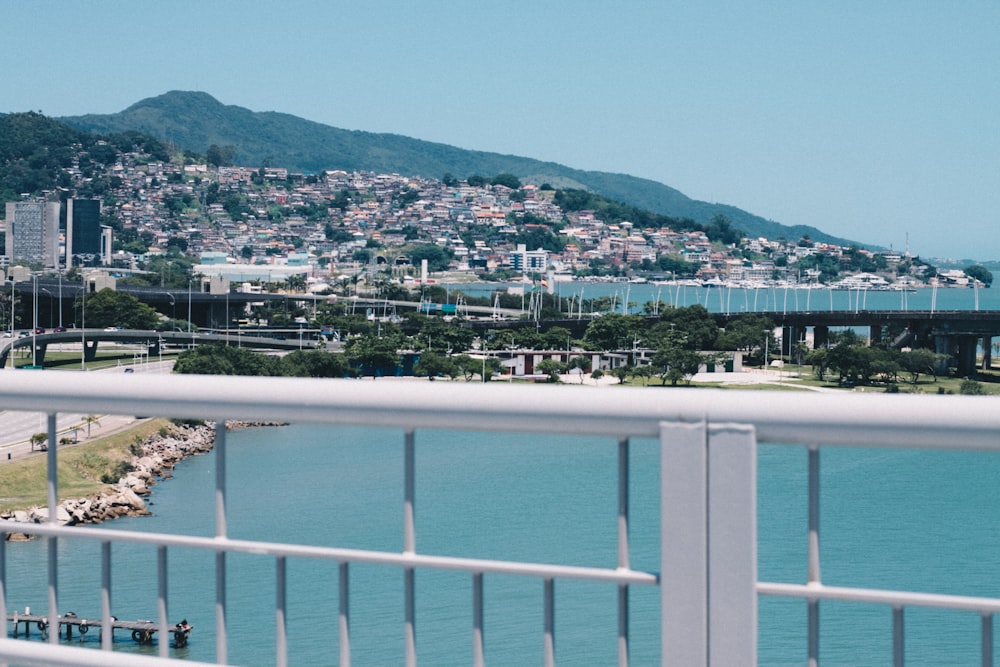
(772, 299)
(916, 520)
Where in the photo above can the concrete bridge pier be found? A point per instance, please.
(875, 335)
(821, 336)
(40, 353)
(987, 352)
(944, 345)
(90, 350)
(966, 357)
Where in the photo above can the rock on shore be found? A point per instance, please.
(156, 459)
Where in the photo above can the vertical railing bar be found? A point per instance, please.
(813, 554)
(409, 625)
(3, 576)
(53, 542)
(409, 472)
(344, 620)
(550, 623)
(898, 641)
(623, 596)
(107, 632)
(164, 622)
(986, 624)
(220, 478)
(3, 589)
(478, 647)
(221, 637)
(281, 615)
(623, 549)
(409, 547)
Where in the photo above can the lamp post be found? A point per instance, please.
(767, 339)
(34, 318)
(83, 326)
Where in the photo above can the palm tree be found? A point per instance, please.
(91, 419)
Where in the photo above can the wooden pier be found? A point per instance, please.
(142, 631)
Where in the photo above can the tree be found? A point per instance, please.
(980, 273)
(215, 359)
(37, 439)
(918, 361)
(438, 259)
(371, 353)
(220, 156)
(612, 331)
(506, 179)
(673, 361)
(431, 365)
(315, 364)
(552, 368)
(89, 420)
(109, 308)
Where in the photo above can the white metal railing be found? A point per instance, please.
(708, 438)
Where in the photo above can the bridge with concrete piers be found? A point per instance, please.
(153, 341)
(956, 333)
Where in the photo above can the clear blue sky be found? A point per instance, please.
(868, 120)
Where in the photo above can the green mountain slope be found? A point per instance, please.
(195, 120)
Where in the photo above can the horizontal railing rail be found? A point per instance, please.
(708, 451)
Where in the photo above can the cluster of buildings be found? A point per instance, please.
(267, 223)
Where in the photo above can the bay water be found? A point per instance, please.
(913, 520)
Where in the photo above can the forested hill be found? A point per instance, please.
(194, 121)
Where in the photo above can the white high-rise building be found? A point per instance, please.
(33, 233)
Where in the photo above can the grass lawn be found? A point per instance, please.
(24, 481)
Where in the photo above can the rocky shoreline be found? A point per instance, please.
(154, 460)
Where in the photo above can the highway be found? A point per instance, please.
(16, 428)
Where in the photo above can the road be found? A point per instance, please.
(16, 428)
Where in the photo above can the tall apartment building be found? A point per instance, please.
(33, 233)
(87, 242)
(523, 259)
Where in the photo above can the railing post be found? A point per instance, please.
(107, 632)
(221, 640)
(53, 542)
(708, 544)
(164, 622)
(986, 625)
(623, 544)
(898, 637)
(732, 539)
(478, 647)
(550, 623)
(683, 545)
(813, 550)
(281, 612)
(344, 616)
(409, 547)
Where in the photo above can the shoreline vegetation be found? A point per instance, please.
(106, 479)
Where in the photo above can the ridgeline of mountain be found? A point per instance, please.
(194, 121)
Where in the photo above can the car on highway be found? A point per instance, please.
(113, 329)
(39, 330)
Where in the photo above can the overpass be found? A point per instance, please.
(56, 301)
(153, 340)
(956, 333)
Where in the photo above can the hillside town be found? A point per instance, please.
(265, 224)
